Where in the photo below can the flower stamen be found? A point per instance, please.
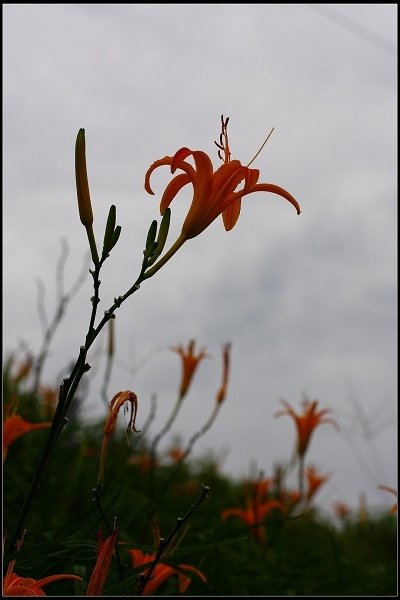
(262, 146)
(223, 141)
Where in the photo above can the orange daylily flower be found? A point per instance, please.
(307, 422)
(190, 362)
(102, 566)
(15, 426)
(253, 515)
(258, 489)
(13, 585)
(115, 405)
(314, 480)
(342, 510)
(162, 572)
(214, 193)
(176, 454)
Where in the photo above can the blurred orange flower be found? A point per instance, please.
(162, 572)
(214, 193)
(120, 399)
(314, 480)
(15, 426)
(13, 585)
(143, 461)
(307, 422)
(190, 362)
(253, 515)
(341, 509)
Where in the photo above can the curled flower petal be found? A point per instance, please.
(214, 192)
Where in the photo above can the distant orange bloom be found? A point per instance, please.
(162, 572)
(253, 515)
(49, 399)
(314, 480)
(102, 566)
(143, 461)
(307, 422)
(190, 362)
(258, 489)
(341, 509)
(391, 490)
(15, 426)
(176, 454)
(13, 585)
(214, 193)
(119, 400)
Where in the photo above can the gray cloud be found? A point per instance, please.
(309, 302)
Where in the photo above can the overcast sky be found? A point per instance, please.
(308, 302)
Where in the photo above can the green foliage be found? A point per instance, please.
(304, 555)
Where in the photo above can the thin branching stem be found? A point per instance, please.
(68, 389)
(166, 542)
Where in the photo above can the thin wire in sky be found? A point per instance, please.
(347, 23)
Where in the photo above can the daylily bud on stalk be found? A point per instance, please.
(162, 236)
(83, 194)
(111, 233)
(82, 184)
(151, 244)
(151, 236)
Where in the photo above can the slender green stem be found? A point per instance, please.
(96, 494)
(164, 543)
(66, 395)
(70, 384)
(175, 246)
(190, 445)
(301, 477)
(92, 244)
(156, 441)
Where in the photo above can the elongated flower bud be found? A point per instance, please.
(82, 184)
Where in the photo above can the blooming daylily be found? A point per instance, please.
(190, 362)
(214, 192)
(253, 515)
(13, 585)
(15, 426)
(162, 572)
(307, 422)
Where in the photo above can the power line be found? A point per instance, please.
(366, 34)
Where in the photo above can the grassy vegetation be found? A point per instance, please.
(301, 552)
